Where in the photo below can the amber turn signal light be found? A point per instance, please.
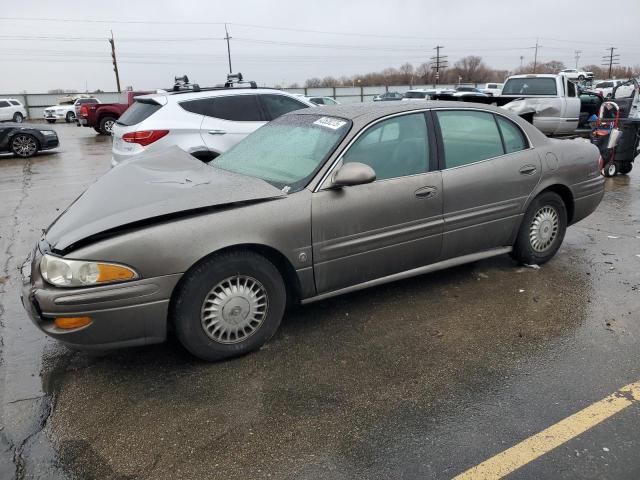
(67, 323)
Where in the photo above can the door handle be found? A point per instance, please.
(528, 169)
(217, 132)
(426, 192)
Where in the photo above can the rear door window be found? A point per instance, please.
(14, 102)
(468, 137)
(237, 108)
(138, 112)
(277, 105)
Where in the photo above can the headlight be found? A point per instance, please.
(79, 273)
(47, 132)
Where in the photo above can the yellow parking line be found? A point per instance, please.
(533, 447)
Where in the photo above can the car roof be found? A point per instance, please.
(366, 112)
(535, 75)
(212, 92)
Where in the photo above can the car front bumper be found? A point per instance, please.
(124, 314)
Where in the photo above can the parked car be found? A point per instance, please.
(468, 91)
(550, 101)
(25, 140)
(102, 116)
(323, 100)
(416, 94)
(217, 251)
(605, 87)
(575, 74)
(204, 123)
(66, 109)
(12, 110)
(388, 96)
(492, 89)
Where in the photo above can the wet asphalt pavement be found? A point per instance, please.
(423, 378)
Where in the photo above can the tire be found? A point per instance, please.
(106, 125)
(610, 169)
(70, 117)
(51, 120)
(18, 118)
(625, 168)
(97, 129)
(542, 230)
(581, 78)
(24, 145)
(216, 278)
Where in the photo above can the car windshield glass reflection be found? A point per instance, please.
(286, 152)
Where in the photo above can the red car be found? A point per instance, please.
(102, 116)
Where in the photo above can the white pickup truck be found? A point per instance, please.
(551, 101)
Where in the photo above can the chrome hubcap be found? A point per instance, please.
(612, 169)
(108, 126)
(234, 309)
(544, 228)
(24, 145)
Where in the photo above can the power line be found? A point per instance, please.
(611, 59)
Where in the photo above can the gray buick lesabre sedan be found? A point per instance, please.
(314, 204)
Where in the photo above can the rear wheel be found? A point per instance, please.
(581, 77)
(229, 305)
(24, 145)
(610, 169)
(106, 125)
(542, 230)
(18, 118)
(70, 117)
(625, 168)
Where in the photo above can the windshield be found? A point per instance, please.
(530, 86)
(286, 152)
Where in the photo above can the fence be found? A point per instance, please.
(35, 103)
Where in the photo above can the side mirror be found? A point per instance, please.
(353, 173)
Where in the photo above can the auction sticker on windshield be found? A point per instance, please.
(330, 122)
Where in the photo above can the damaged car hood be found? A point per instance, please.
(149, 187)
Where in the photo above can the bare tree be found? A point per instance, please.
(406, 71)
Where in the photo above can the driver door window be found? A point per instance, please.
(396, 147)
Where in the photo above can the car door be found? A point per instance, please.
(571, 109)
(228, 119)
(364, 232)
(488, 172)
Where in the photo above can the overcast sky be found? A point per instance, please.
(43, 46)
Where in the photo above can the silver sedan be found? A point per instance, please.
(317, 203)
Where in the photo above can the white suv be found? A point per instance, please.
(66, 109)
(11, 110)
(203, 123)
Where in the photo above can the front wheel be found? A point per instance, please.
(542, 230)
(24, 145)
(581, 77)
(70, 117)
(18, 118)
(228, 305)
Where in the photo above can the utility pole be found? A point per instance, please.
(521, 59)
(535, 56)
(611, 60)
(227, 38)
(439, 62)
(577, 57)
(115, 62)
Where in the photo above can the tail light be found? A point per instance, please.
(144, 137)
(600, 162)
(84, 111)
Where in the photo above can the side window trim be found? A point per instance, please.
(504, 145)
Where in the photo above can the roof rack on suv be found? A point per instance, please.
(182, 83)
(236, 79)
